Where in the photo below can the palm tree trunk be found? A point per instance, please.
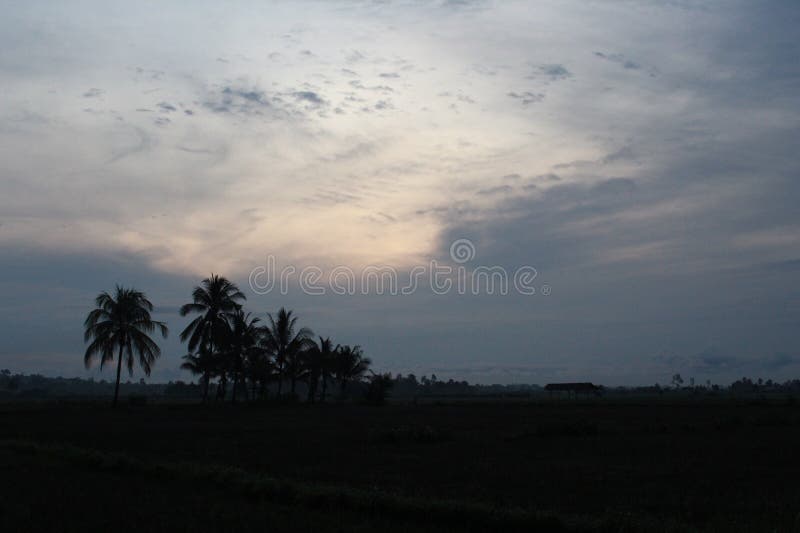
(280, 379)
(119, 369)
(313, 381)
(222, 387)
(206, 382)
(235, 382)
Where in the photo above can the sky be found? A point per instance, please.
(638, 161)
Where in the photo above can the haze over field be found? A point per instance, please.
(641, 155)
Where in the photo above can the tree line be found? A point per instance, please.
(228, 346)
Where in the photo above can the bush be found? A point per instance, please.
(378, 389)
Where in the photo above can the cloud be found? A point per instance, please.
(166, 107)
(310, 97)
(625, 62)
(499, 189)
(555, 72)
(712, 361)
(527, 97)
(238, 99)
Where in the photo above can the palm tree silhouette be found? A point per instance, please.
(199, 364)
(242, 345)
(214, 299)
(121, 322)
(285, 345)
(349, 365)
(319, 360)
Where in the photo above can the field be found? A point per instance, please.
(633, 464)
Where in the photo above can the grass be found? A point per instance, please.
(712, 466)
(371, 504)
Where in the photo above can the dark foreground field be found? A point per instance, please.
(649, 465)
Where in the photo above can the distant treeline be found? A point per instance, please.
(744, 385)
(408, 386)
(38, 386)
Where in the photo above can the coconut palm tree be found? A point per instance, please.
(286, 345)
(199, 364)
(242, 345)
(349, 365)
(319, 362)
(328, 361)
(122, 323)
(214, 299)
(259, 371)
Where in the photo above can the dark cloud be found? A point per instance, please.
(93, 93)
(713, 361)
(465, 5)
(357, 84)
(70, 281)
(310, 97)
(554, 72)
(166, 107)
(331, 197)
(527, 97)
(255, 96)
(499, 189)
(360, 150)
(626, 62)
(238, 99)
(619, 59)
(659, 250)
(381, 218)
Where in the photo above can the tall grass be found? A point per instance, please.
(447, 513)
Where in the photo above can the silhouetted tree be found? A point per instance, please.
(195, 364)
(286, 345)
(319, 360)
(215, 299)
(242, 345)
(121, 322)
(378, 388)
(349, 365)
(260, 369)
